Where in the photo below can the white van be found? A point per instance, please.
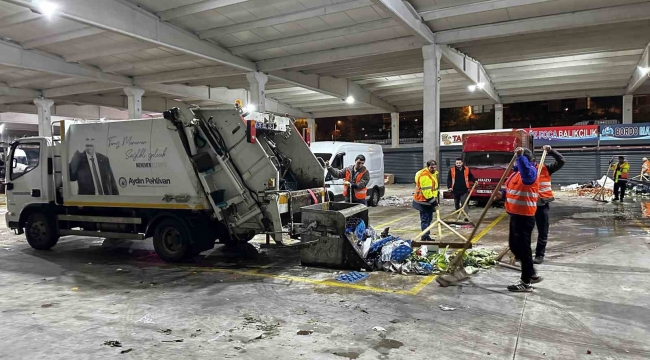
(342, 155)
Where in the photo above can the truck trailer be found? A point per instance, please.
(189, 179)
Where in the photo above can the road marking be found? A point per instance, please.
(393, 221)
(427, 280)
(332, 283)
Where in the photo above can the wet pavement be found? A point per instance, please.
(593, 304)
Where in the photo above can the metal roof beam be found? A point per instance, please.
(614, 14)
(18, 18)
(129, 20)
(641, 72)
(66, 36)
(282, 19)
(195, 8)
(186, 75)
(79, 89)
(475, 8)
(15, 56)
(169, 60)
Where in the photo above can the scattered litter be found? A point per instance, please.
(217, 337)
(571, 187)
(165, 331)
(379, 329)
(393, 200)
(446, 308)
(173, 341)
(74, 289)
(360, 309)
(394, 321)
(8, 249)
(352, 277)
(126, 351)
(305, 332)
(48, 305)
(122, 271)
(113, 343)
(588, 352)
(147, 319)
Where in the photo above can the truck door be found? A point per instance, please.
(26, 175)
(336, 185)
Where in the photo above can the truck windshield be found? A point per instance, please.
(488, 159)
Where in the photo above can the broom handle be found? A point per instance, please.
(468, 243)
(541, 162)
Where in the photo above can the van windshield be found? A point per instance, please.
(324, 156)
(488, 159)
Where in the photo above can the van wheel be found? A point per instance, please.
(374, 197)
(172, 240)
(39, 232)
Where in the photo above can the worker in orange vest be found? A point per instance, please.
(458, 181)
(356, 177)
(521, 194)
(645, 169)
(425, 197)
(544, 201)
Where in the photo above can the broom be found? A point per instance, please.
(457, 273)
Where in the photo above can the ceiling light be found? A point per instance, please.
(46, 8)
(250, 108)
(644, 70)
(2, 128)
(472, 88)
(480, 85)
(349, 100)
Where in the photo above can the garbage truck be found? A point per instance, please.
(188, 179)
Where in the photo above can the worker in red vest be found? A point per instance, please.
(425, 196)
(544, 201)
(356, 177)
(521, 194)
(458, 180)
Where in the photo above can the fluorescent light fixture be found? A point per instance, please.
(349, 100)
(644, 70)
(2, 129)
(251, 108)
(473, 88)
(46, 8)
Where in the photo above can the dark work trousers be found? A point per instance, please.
(621, 184)
(357, 201)
(541, 219)
(521, 230)
(459, 199)
(426, 217)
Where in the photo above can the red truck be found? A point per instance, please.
(487, 155)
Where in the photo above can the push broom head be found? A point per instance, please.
(457, 276)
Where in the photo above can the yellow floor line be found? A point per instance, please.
(380, 226)
(427, 280)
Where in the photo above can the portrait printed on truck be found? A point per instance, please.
(89, 167)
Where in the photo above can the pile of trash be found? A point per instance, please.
(394, 254)
(393, 200)
(591, 188)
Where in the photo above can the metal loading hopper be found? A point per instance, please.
(329, 246)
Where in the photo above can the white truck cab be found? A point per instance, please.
(341, 155)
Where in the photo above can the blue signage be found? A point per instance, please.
(622, 132)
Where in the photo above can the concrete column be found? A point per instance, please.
(257, 81)
(135, 101)
(498, 116)
(311, 124)
(44, 116)
(627, 108)
(431, 125)
(394, 130)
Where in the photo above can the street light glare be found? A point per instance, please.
(46, 8)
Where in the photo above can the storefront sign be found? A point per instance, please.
(622, 132)
(560, 134)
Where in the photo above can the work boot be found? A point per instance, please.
(520, 286)
(538, 260)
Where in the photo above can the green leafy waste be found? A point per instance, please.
(478, 258)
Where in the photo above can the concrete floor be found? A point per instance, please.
(65, 303)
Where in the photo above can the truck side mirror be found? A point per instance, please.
(14, 163)
(447, 162)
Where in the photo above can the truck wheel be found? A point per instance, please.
(39, 232)
(171, 239)
(374, 197)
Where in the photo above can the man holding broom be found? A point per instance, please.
(521, 194)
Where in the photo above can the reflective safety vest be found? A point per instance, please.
(620, 171)
(646, 167)
(545, 191)
(521, 199)
(359, 193)
(426, 185)
(453, 176)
